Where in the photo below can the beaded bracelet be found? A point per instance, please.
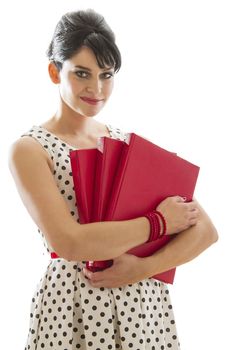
(155, 225)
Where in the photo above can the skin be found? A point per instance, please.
(74, 117)
(74, 123)
(187, 245)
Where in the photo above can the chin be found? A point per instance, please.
(91, 113)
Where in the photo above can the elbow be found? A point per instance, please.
(207, 235)
(212, 234)
(71, 248)
(68, 251)
(66, 246)
(62, 252)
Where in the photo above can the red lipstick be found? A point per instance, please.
(91, 101)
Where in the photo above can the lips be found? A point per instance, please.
(90, 99)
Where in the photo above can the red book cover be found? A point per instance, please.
(83, 164)
(107, 158)
(93, 171)
(146, 175)
(84, 186)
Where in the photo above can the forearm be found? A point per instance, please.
(184, 247)
(107, 240)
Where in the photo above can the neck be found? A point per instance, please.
(70, 122)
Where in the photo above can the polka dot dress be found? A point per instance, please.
(67, 313)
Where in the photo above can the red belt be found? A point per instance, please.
(91, 265)
(54, 255)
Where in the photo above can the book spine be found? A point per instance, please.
(81, 202)
(101, 182)
(97, 183)
(110, 171)
(119, 179)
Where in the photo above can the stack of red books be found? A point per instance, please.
(122, 180)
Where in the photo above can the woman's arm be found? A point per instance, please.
(31, 170)
(182, 248)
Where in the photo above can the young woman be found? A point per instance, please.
(120, 307)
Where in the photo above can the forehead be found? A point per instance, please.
(84, 57)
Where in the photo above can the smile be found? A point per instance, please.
(90, 101)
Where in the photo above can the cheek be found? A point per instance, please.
(76, 87)
(72, 91)
(71, 84)
(108, 88)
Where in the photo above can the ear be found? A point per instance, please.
(53, 73)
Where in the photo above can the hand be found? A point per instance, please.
(125, 270)
(179, 215)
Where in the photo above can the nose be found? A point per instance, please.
(94, 86)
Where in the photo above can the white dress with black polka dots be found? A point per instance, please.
(67, 313)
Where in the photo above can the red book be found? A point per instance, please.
(83, 163)
(93, 172)
(143, 178)
(107, 158)
(146, 175)
(107, 161)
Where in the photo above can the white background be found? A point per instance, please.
(170, 89)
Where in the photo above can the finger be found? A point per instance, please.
(190, 206)
(195, 210)
(95, 276)
(193, 222)
(88, 274)
(193, 217)
(99, 284)
(180, 199)
(95, 284)
(193, 213)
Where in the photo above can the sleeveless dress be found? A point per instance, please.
(67, 313)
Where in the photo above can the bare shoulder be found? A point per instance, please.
(27, 146)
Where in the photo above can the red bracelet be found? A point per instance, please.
(155, 225)
(163, 221)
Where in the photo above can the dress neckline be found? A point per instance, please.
(109, 128)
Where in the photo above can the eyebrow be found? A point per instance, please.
(88, 69)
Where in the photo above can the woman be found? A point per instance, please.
(120, 307)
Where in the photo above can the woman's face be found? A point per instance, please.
(83, 86)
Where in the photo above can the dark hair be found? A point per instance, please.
(84, 28)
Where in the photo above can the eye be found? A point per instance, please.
(84, 74)
(108, 75)
(81, 74)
